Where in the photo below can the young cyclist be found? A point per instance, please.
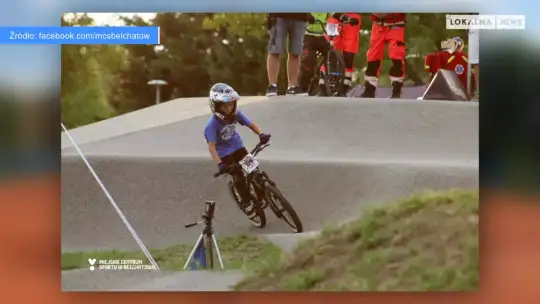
(224, 143)
(315, 40)
(347, 42)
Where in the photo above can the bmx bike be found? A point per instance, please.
(264, 193)
(332, 60)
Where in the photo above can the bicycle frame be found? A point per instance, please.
(264, 187)
(257, 177)
(324, 59)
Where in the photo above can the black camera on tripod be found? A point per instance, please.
(207, 217)
(210, 207)
(208, 234)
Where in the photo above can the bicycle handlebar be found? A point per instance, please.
(323, 25)
(258, 148)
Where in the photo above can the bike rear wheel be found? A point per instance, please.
(259, 218)
(282, 208)
(335, 73)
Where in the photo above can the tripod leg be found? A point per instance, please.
(209, 253)
(217, 251)
(193, 251)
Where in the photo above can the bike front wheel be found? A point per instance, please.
(335, 73)
(283, 209)
(259, 218)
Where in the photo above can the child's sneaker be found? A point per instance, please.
(249, 209)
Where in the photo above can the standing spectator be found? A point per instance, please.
(347, 42)
(474, 60)
(314, 41)
(387, 28)
(281, 25)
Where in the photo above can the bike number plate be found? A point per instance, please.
(249, 163)
(332, 29)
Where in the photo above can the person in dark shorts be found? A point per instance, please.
(281, 26)
(224, 143)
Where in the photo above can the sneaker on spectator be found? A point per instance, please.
(293, 90)
(271, 90)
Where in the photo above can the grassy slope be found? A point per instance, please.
(238, 252)
(425, 243)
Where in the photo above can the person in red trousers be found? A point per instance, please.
(387, 28)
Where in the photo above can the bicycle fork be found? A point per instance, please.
(258, 191)
(324, 71)
(259, 184)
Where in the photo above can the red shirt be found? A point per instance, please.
(390, 18)
(432, 63)
(456, 62)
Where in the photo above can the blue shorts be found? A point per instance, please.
(283, 28)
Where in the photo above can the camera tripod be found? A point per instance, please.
(208, 235)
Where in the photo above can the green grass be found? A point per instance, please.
(238, 252)
(428, 242)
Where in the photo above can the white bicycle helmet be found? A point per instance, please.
(460, 44)
(222, 93)
(453, 45)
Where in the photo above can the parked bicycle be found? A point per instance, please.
(264, 193)
(332, 60)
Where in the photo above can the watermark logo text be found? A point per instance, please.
(485, 22)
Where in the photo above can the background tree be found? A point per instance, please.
(197, 50)
(89, 74)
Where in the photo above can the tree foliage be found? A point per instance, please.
(89, 74)
(197, 50)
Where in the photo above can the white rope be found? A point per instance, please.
(98, 180)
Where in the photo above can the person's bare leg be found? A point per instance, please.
(293, 66)
(272, 67)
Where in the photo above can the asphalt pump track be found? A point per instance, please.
(329, 156)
